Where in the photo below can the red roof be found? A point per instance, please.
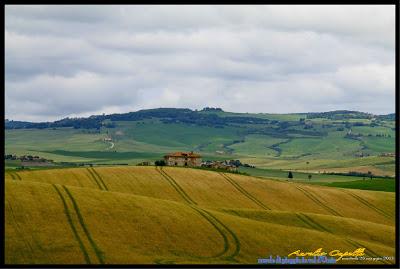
(183, 154)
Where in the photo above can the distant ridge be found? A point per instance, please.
(184, 115)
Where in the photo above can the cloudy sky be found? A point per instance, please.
(82, 60)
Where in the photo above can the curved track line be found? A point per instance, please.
(244, 192)
(220, 231)
(234, 236)
(312, 223)
(73, 228)
(176, 186)
(221, 228)
(96, 249)
(358, 245)
(15, 176)
(314, 198)
(12, 176)
(368, 204)
(18, 176)
(100, 179)
(94, 178)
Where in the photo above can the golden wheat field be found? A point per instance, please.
(149, 215)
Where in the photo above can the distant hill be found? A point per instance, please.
(213, 117)
(336, 141)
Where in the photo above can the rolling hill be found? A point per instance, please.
(154, 215)
(336, 141)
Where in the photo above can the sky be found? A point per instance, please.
(75, 61)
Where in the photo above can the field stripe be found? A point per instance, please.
(368, 204)
(244, 192)
(312, 223)
(12, 176)
(314, 198)
(173, 185)
(188, 198)
(225, 232)
(235, 238)
(176, 186)
(15, 176)
(18, 176)
(220, 231)
(94, 178)
(96, 249)
(358, 245)
(73, 228)
(100, 179)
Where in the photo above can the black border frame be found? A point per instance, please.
(397, 166)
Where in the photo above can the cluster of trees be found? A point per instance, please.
(160, 163)
(340, 115)
(290, 175)
(389, 117)
(212, 120)
(26, 158)
(355, 174)
(87, 123)
(212, 109)
(238, 163)
(381, 135)
(167, 115)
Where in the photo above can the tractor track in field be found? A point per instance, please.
(358, 245)
(176, 186)
(315, 225)
(312, 223)
(96, 249)
(315, 199)
(244, 192)
(18, 176)
(231, 241)
(73, 228)
(100, 179)
(368, 204)
(15, 176)
(96, 177)
(82, 224)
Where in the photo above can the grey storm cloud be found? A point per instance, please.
(81, 60)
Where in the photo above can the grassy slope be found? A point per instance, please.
(142, 215)
(149, 139)
(367, 184)
(352, 182)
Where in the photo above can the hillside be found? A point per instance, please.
(337, 141)
(180, 215)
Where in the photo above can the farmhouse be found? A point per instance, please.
(183, 159)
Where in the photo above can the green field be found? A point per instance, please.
(352, 182)
(282, 142)
(367, 184)
(149, 215)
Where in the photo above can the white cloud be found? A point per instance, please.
(77, 60)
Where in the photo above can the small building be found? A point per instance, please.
(183, 159)
(388, 154)
(220, 165)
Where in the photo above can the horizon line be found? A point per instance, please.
(197, 110)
